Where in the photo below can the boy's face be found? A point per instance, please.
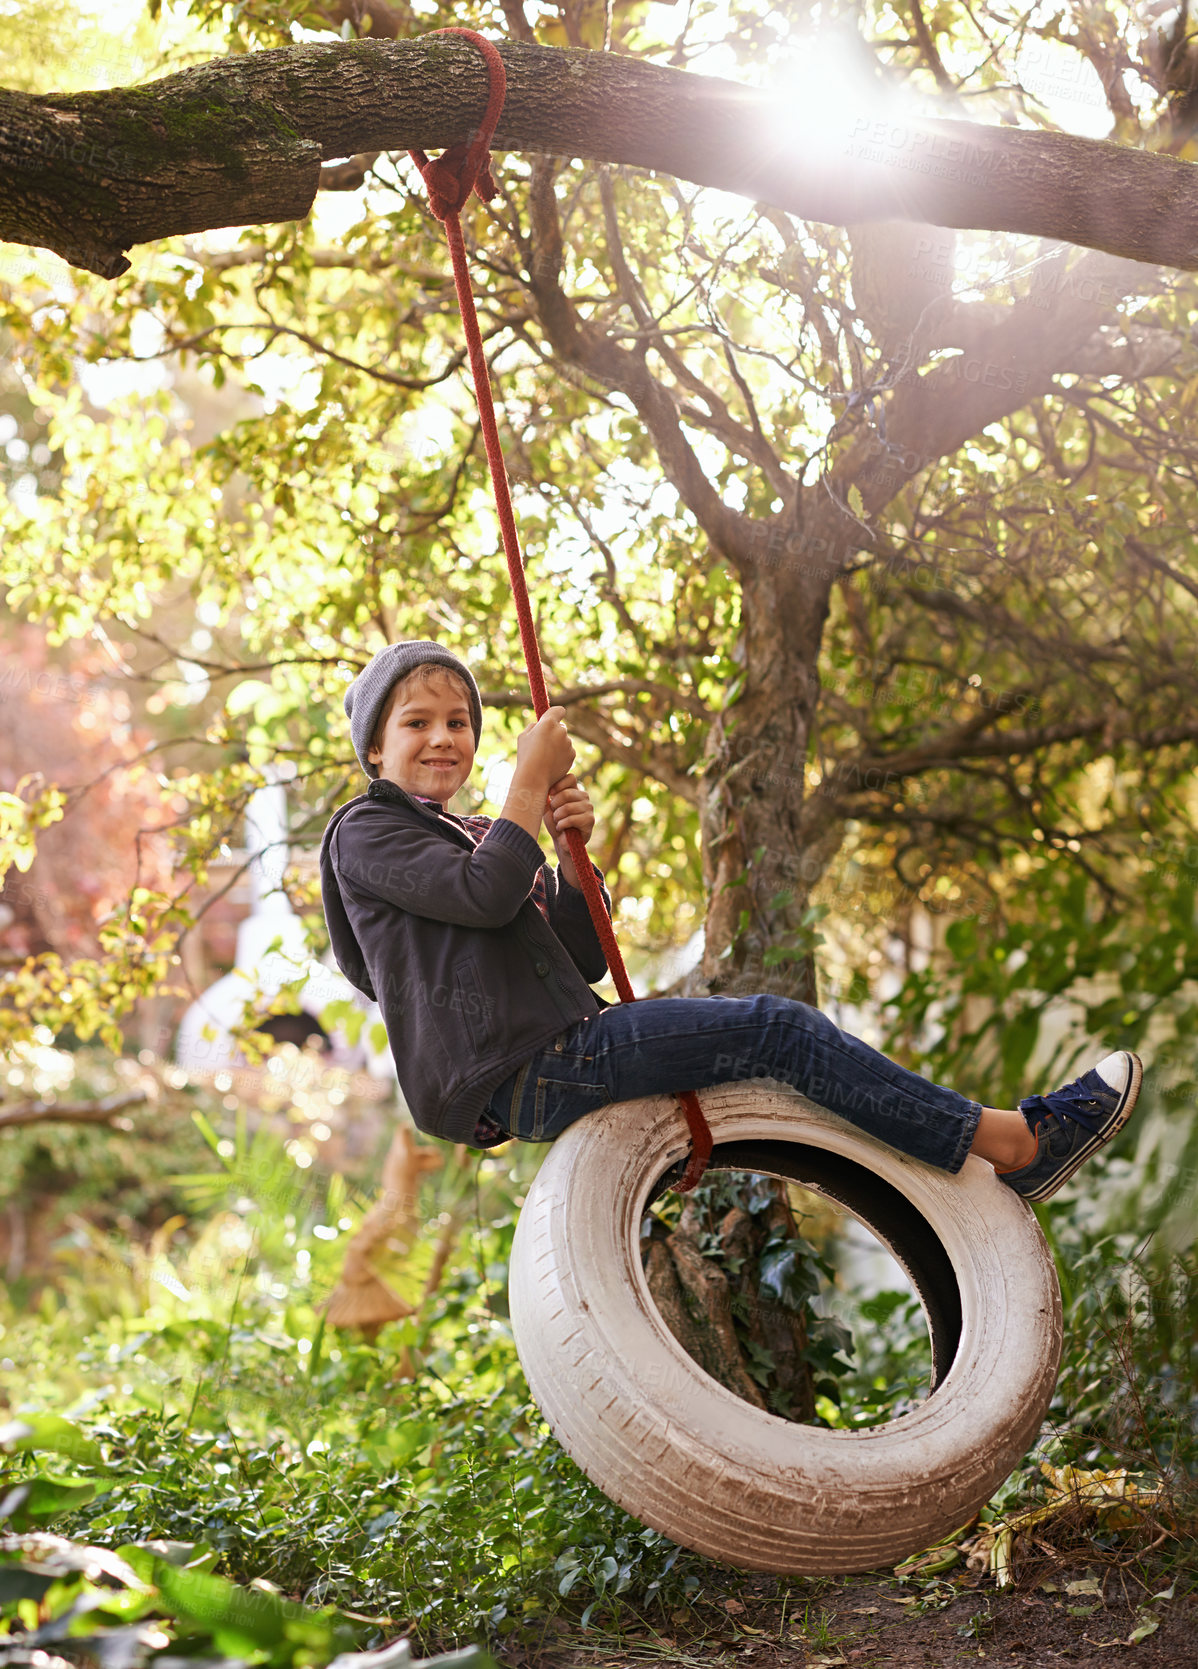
(428, 741)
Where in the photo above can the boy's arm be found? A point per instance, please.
(415, 867)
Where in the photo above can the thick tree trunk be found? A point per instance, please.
(713, 1305)
(770, 825)
(695, 1301)
(239, 141)
(756, 851)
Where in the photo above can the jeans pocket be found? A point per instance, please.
(557, 1103)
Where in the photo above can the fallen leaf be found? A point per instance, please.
(865, 1610)
(1084, 1585)
(733, 1607)
(931, 1563)
(825, 1662)
(1147, 1625)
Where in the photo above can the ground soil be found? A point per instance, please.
(1072, 1610)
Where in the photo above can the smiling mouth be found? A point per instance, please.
(443, 763)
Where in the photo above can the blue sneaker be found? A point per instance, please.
(1074, 1122)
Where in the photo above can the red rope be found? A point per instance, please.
(450, 180)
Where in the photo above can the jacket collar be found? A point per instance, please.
(382, 788)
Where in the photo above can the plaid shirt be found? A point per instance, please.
(486, 1132)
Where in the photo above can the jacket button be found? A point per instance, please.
(542, 968)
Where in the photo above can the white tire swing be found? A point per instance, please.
(688, 1457)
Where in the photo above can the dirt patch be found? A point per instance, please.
(1089, 1615)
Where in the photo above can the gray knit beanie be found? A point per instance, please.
(367, 695)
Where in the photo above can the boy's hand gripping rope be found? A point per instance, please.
(450, 180)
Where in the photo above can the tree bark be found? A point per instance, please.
(698, 1298)
(695, 1302)
(240, 140)
(752, 811)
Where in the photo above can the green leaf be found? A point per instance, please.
(882, 1306)
(186, 1555)
(734, 689)
(55, 1558)
(787, 1276)
(345, 1015)
(239, 1619)
(51, 1434)
(22, 1582)
(209, 1134)
(48, 1497)
(961, 937)
(1018, 1037)
(244, 697)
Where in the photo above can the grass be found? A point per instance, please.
(220, 1424)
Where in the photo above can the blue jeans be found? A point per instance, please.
(660, 1045)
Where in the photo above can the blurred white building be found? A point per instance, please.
(204, 1043)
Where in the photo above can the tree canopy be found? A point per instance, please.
(862, 555)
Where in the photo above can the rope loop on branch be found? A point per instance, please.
(466, 167)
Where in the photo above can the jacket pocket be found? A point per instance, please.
(475, 1005)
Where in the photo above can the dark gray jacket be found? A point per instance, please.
(470, 977)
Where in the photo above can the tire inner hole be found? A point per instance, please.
(735, 1272)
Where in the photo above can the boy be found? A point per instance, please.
(479, 956)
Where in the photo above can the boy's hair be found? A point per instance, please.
(426, 673)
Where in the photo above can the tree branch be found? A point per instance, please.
(240, 140)
(347, 176)
(588, 692)
(253, 254)
(928, 47)
(1159, 565)
(584, 345)
(717, 420)
(69, 1112)
(963, 742)
(1006, 365)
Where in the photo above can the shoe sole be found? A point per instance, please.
(1120, 1116)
